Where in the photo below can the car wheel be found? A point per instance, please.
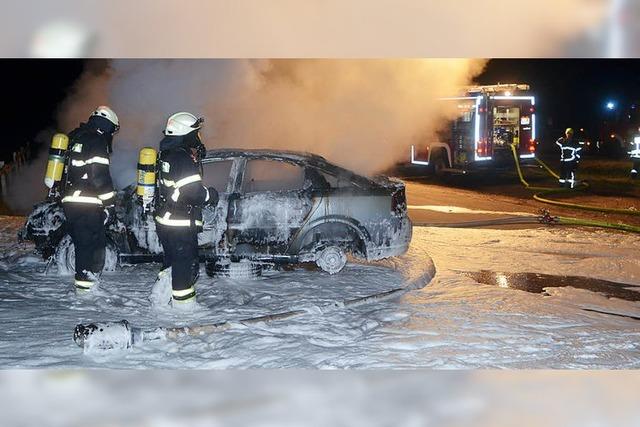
(331, 259)
(65, 256)
(244, 269)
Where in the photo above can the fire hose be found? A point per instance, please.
(544, 217)
(121, 335)
(543, 192)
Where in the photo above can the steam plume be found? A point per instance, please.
(362, 114)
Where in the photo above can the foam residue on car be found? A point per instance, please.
(276, 215)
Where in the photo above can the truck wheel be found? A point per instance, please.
(331, 259)
(65, 256)
(439, 165)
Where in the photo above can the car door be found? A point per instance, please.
(270, 206)
(219, 174)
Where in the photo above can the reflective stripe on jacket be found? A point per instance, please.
(569, 149)
(88, 179)
(181, 191)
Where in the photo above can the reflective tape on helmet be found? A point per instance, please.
(76, 197)
(166, 220)
(182, 295)
(96, 159)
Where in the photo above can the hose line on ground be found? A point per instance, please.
(545, 191)
(544, 218)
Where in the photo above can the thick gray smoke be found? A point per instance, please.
(362, 114)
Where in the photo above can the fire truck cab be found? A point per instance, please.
(489, 120)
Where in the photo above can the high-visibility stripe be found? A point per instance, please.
(106, 196)
(77, 198)
(83, 284)
(188, 180)
(184, 295)
(183, 292)
(166, 220)
(96, 159)
(181, 182)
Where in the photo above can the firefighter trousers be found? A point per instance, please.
(568, 174)
(85, 225)
(180, 247)
(635, 169)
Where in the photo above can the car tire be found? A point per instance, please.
(331, 259)
(65, 256)
(235, 270)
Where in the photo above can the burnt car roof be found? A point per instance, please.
(299, 156)
(302, 157)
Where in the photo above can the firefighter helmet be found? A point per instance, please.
(569, 131)
(107, 113)
(182, 123)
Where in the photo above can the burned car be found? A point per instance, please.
(274, 207)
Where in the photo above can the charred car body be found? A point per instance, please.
(274, 207)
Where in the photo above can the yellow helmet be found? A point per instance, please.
(569, 131)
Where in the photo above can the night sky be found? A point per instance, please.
(569, 92)
(572, 92)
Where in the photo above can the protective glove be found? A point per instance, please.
(109, 215)
(213, 197)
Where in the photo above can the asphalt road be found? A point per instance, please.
(442, 203)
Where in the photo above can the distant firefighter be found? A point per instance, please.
(635, 157)
(569, 159)
(88, 197)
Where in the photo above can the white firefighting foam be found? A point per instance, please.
(452, 323)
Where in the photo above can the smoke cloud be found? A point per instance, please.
(362, 114)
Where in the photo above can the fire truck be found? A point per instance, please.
(489, 119)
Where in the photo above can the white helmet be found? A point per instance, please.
(182, 123)
(107, 113)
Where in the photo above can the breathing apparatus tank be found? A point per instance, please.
(147, 177)
(57, 157)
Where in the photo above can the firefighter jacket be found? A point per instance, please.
(88, 180)
(570, 149)
(181, 193)
(634, 153)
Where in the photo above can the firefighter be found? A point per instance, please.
(635, 157)
(569, 158)
(88, 198)
(179, 211)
